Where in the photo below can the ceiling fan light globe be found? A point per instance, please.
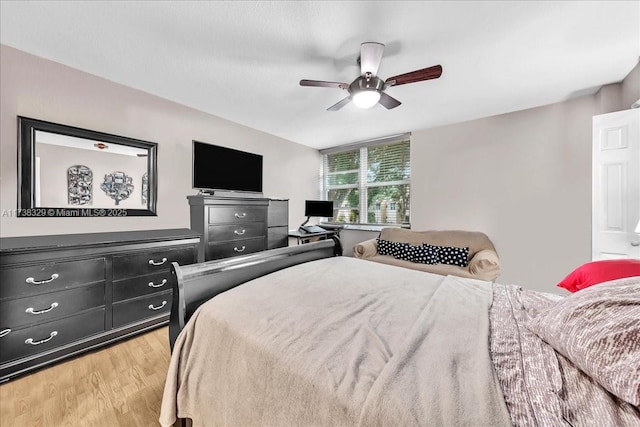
(366, 98)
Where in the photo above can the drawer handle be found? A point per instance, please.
(151, 307)
(242, 215)
(239, 233)
(33, 281)
(5, 332)
(32, 342)
(152, 262)
(31, 310)
(159, 285)
(239, 250)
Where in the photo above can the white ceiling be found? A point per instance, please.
(242, 60)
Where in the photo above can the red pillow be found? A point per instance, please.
(595, 272)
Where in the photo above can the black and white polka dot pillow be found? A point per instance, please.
(404, 251)
(399, 250)
(452, 255)
(386, 247)
(426, 254)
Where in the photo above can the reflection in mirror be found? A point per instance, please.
(66, 169)
(79, 185)
(109, 164)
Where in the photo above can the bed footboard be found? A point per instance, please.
(197, 283)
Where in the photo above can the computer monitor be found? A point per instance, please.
(319, 208)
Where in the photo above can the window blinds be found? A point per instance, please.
(369, 182)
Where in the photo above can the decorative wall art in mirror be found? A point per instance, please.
(67, 171)
(118, 186)
(80, 183)
(145, 188)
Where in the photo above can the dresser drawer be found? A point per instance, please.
(140, 263)
(141, 285)
(226, 232)
(141, 308)
(278, 214)
(37, 339)
(49, 277)
(43, 308)
(230, 249)
(277, 237)
(237, 214)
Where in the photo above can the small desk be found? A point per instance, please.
(303, 237)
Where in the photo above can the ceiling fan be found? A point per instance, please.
(368, 89)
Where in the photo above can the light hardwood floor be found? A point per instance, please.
(120, 385)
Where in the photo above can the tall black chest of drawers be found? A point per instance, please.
(235, 226)
(62, 295)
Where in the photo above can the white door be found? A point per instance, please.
(616, 185)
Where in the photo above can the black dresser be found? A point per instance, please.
(232, 226)
(278, 223)
(62, 295)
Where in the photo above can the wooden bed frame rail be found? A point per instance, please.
(197, 283)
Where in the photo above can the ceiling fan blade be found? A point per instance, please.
(320, 83)
(370, 57)
(338, 105)
(415, 76)
(388, 102)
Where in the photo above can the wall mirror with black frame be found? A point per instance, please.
(69, 171)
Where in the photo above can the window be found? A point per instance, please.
(369, 183)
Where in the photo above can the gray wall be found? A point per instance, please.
(45, 90)
(523, 178)
(630, 89)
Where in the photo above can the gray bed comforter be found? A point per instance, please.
(344, 342)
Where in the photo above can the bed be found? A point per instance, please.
(299, 336)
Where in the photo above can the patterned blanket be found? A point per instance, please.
(541, 387)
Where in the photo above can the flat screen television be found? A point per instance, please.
(319, 208)
(226, 169)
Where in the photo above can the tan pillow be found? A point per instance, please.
(598, 329)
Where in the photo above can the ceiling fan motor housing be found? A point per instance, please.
(366, 82)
